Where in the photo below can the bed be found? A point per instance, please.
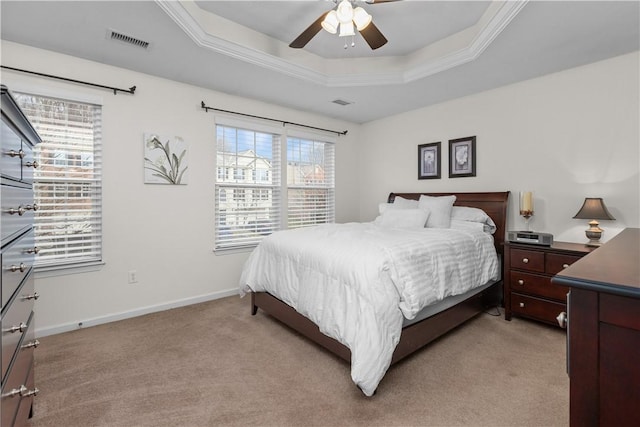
(415, 333)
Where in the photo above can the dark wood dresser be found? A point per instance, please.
(528, 291)
(18, 253)
(603, 333)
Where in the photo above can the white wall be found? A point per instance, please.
(564, 136)
(163, 232)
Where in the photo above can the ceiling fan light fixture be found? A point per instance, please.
(347, 29)
(361, 18)
(344, 12)
(330, 22)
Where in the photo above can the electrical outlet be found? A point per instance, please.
(133, 276)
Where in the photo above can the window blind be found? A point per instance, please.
(310, 182)
(247, 189)
(67, 181)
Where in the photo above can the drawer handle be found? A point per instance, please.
(525, 260)
(20, 328)
(20, 211)
(520, 282)
(19, 153)
(22, 391)
(26, 392)
(562, 320)
(33, 164)
(15, 391)
(565, 265)
(22, 267)
(521, 305)
(33, 296)
(34, 344)
(35, 250)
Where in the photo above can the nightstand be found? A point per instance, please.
(528, 269)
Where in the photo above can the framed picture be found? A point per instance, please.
(165, 160)
(462, 157)
(429, 161)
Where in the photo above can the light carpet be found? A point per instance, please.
(213, 364)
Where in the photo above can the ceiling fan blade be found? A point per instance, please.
(306, 36)
(379, 1)
(373, 36)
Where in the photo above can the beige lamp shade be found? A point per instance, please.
(594, 209)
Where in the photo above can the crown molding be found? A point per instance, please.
(474, 42)
(484, 38)
(179, 14)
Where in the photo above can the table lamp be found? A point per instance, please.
(593, 209)
(526, 206)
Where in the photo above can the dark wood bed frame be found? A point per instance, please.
(419, 334)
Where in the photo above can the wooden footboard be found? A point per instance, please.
(413, 337)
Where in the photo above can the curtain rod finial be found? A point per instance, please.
(132, 89)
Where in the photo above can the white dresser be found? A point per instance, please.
(18, 252)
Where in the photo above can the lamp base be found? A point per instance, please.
(594, 233)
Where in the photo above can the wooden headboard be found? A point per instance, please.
(494, 204)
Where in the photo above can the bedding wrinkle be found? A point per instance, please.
(357, 281)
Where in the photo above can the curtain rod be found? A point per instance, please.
(115, 90)
(284, 122)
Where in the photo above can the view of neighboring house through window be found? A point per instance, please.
(250, 181)
(67, 181)
(247, 190)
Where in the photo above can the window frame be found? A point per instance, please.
(64, 264)
(220, 215)
(327, 186)
(284, 133)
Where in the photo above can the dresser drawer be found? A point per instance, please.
(536, 308)
(10, 161)
(17, 210)
(527, 260)
(15, 322)
(555, 263)
(537, 285)
(17, 260)
(18, 386)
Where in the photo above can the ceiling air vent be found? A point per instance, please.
(114, 35)
(341, 102)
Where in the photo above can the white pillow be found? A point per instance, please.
(466, 213)
(403, 203)
(398, 203)
(457, 224)
(384, 206)
(403, 218)
(439, 208)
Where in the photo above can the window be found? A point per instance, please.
(68, 181)
(254, 207)
(310, 183)
(245, 214)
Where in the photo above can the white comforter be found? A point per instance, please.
(356, 281)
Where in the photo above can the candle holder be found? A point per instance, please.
(526, 207)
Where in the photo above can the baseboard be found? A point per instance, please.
(58, 329)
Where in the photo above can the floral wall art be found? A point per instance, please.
(165, 160)
(462, 157)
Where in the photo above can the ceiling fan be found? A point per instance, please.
(345, 19)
